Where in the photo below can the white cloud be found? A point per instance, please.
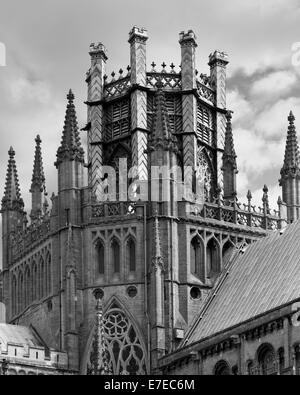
(24, 90)
(275, 84)
(273, 121)
(239, 105)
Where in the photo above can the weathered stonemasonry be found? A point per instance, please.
(146, 260)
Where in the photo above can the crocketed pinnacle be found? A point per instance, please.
(99, 358)
(161, 136)
(157, 257)
(38, 176)
(70, 148)
(229, 151)
(291, 157)
(12, 196)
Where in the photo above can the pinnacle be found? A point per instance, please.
(12, 196)
(291, 157)
(38, 177)
(229, 144)
(70, 148)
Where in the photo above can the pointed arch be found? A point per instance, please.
(213, 261)
(34, 281)
(115, 254)
(100, 256)
(14, 295)
(41, 277)
(20, 292)
(48, 273)
(123, 340)
(227, 252)
(27, 285)
(131, 254)
(197, 257)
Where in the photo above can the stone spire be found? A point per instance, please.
(70, 148)
(38, 177)
(291, 157)
(229, 151)
(229, 166)
(290, 173)
(38, 188)
(99, 357)
(12, 199)
(161, 136)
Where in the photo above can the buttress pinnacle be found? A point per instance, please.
(12, 196)
(291, 157)
(70, 148)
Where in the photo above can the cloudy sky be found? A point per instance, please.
(47, 53)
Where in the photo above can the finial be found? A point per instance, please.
(172, 65)
(153, 64)
(279, 201)
(70, 96)
(121, 72)
(265, 199)
(291, 117)
(163, 65)
(11, 152)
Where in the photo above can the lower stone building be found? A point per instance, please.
(23, 352)
(250, 323)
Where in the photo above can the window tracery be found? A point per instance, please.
(125, 352)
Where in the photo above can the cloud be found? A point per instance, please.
(275, 84)
(22, 89)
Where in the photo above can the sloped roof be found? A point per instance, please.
(264, 278)
(15, 334)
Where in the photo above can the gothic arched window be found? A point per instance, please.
(49, 272)
(267, 360)
(131, 255)
(213, 257)
(197, 258)
(14, 295)
(27, 286)
(222, 369)
(100, 257)
(115, 254)
(227, 252)
(125, 351)
(34, 282)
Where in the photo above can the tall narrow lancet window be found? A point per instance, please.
(213, 257)
(115, 254)
(131, 255)
(196, 258)
(14, 295)
(100, 253)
